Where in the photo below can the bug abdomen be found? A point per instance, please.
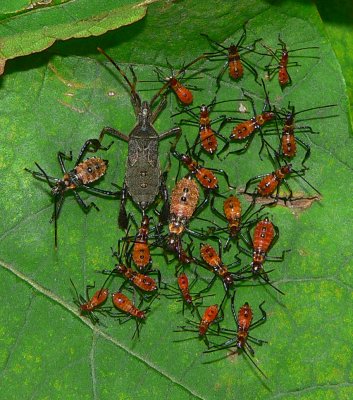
(143, 174)
(90, 170)
(289, 146)
(263, 235)
(123, 303)
(184, 198)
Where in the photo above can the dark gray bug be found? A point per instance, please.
(143, 178)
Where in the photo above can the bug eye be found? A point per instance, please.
(89, 169)
(97, 166)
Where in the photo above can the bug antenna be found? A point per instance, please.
(213, 41)
(45, 174)
(160, 91)
(188, 148)
(57, 207)
(242, 35)
(76, 292)
(281, 42)
(316, 108)
(269, 283)
(55, 226)
(186, 110)
(118, 68)
(104, 283)
(307, 182)
(267, 101)
(254, 363)
(224, 148)
(272, 53)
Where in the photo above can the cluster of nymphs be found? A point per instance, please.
(247, 229)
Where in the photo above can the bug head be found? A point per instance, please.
(286, 169)
(59, 188)
(228, 280)
(144, 115)
(257, 266)
(204, 111)
(173, 242)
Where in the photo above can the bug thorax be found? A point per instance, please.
(232, 50)
(172, 81)
(241, 339)
(234, 228)
(144, 115)
(174, 245)
(289, 118)
(145, 222)
(62, 185)
(266, 116)
(285, 170)
(121, 268)
(143, 231)
(284, 56)
(176, 225)
(257, 265)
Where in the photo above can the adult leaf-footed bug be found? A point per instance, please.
(143, 178)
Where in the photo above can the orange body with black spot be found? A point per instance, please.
(283, 76)
(140, 251)
(184, 94)
(246, 128)
(212, 258)
(185, 196)
(270, 182)
(245, 316)
(264, 234)
(141, 281)
(90, 170)
(236, 69)
(184, 199)
(208, 317)
(206, 177)
(288, 143)
(232, 212)
(97, 299)
(123, 303)
(183, 283)
(208, 138)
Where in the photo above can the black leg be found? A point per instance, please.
(42, 175)
(83, 204)
(61, 157)
(164, 213)
(173, 131)
(122, 218)
(113, 132)
(95, 144)
(100, 191)
(159, 108)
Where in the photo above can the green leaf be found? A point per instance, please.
(337, 20)
(49, 21)
(58, 99)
